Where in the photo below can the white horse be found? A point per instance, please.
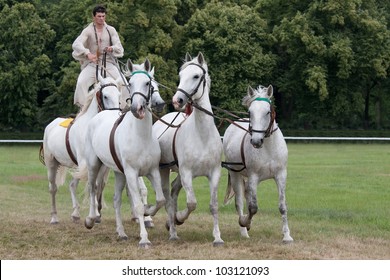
(132, 152)
(64, 147)
(156, 102)
(194, 149)
(256, 151)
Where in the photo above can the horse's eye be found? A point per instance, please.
(269, 112)
(196, 77)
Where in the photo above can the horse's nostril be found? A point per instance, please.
(181, 101)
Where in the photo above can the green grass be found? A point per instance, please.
(337, 194)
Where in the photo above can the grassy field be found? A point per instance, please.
(338, 197)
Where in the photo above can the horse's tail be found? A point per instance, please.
(81, 172)
(42, 155)
(229, 191)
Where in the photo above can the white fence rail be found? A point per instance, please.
(286, 137)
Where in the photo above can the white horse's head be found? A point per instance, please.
(193, 80)
(261, 113)
(143, 88)
(109, 93)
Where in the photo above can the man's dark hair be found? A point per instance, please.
(99, 9)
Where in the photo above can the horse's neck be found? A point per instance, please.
(142, 128)
(203, 102)
(90, 112)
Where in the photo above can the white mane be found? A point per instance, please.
(261, 91)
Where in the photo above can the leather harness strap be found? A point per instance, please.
(67, 144)
(174, 148)
(112, 143)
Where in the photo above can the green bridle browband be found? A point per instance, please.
(263, 99)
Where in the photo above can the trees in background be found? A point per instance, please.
(327, 60)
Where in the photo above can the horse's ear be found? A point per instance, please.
(151, 72)
(129, 65)
(270, 91)
(187, 58)
(251, 91)
(147, 65)
(201, 58)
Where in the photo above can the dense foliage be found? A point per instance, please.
(328, 61)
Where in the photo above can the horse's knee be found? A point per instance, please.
(191, 206)
(283, 209)
(252, 209)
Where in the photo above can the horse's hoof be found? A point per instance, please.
(122, 238)
(75, 219)
(98, 220)
(89, 223)
(288, 240)
(218, 243)
(173, 238)
(53, 222)
(149, 224)
(146, 245)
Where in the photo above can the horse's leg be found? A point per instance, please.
(169, 207)
(51, 176)
(238, 184)
(186, 181)
(155, 179)
(213, 181)
(281, 184)
(101, 181)
(138, 206)
(76, 207)
(176, 187)
(93, 171)
(144, 196)
(251, 195)
(120, 182)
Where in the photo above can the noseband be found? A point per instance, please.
(269, 130)
(150, 91)
(99, 97)
(202, 80)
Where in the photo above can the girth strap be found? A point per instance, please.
(175, 162)
(227, 164)
(112, 143)
(67, 144)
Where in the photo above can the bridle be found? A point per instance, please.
(99, 97)
(202, 80)
(269, 130)
(150, 90)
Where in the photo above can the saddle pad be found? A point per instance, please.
(66, 122)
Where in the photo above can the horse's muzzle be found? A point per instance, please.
(138, 111)
(257, 144)
(178, 104)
